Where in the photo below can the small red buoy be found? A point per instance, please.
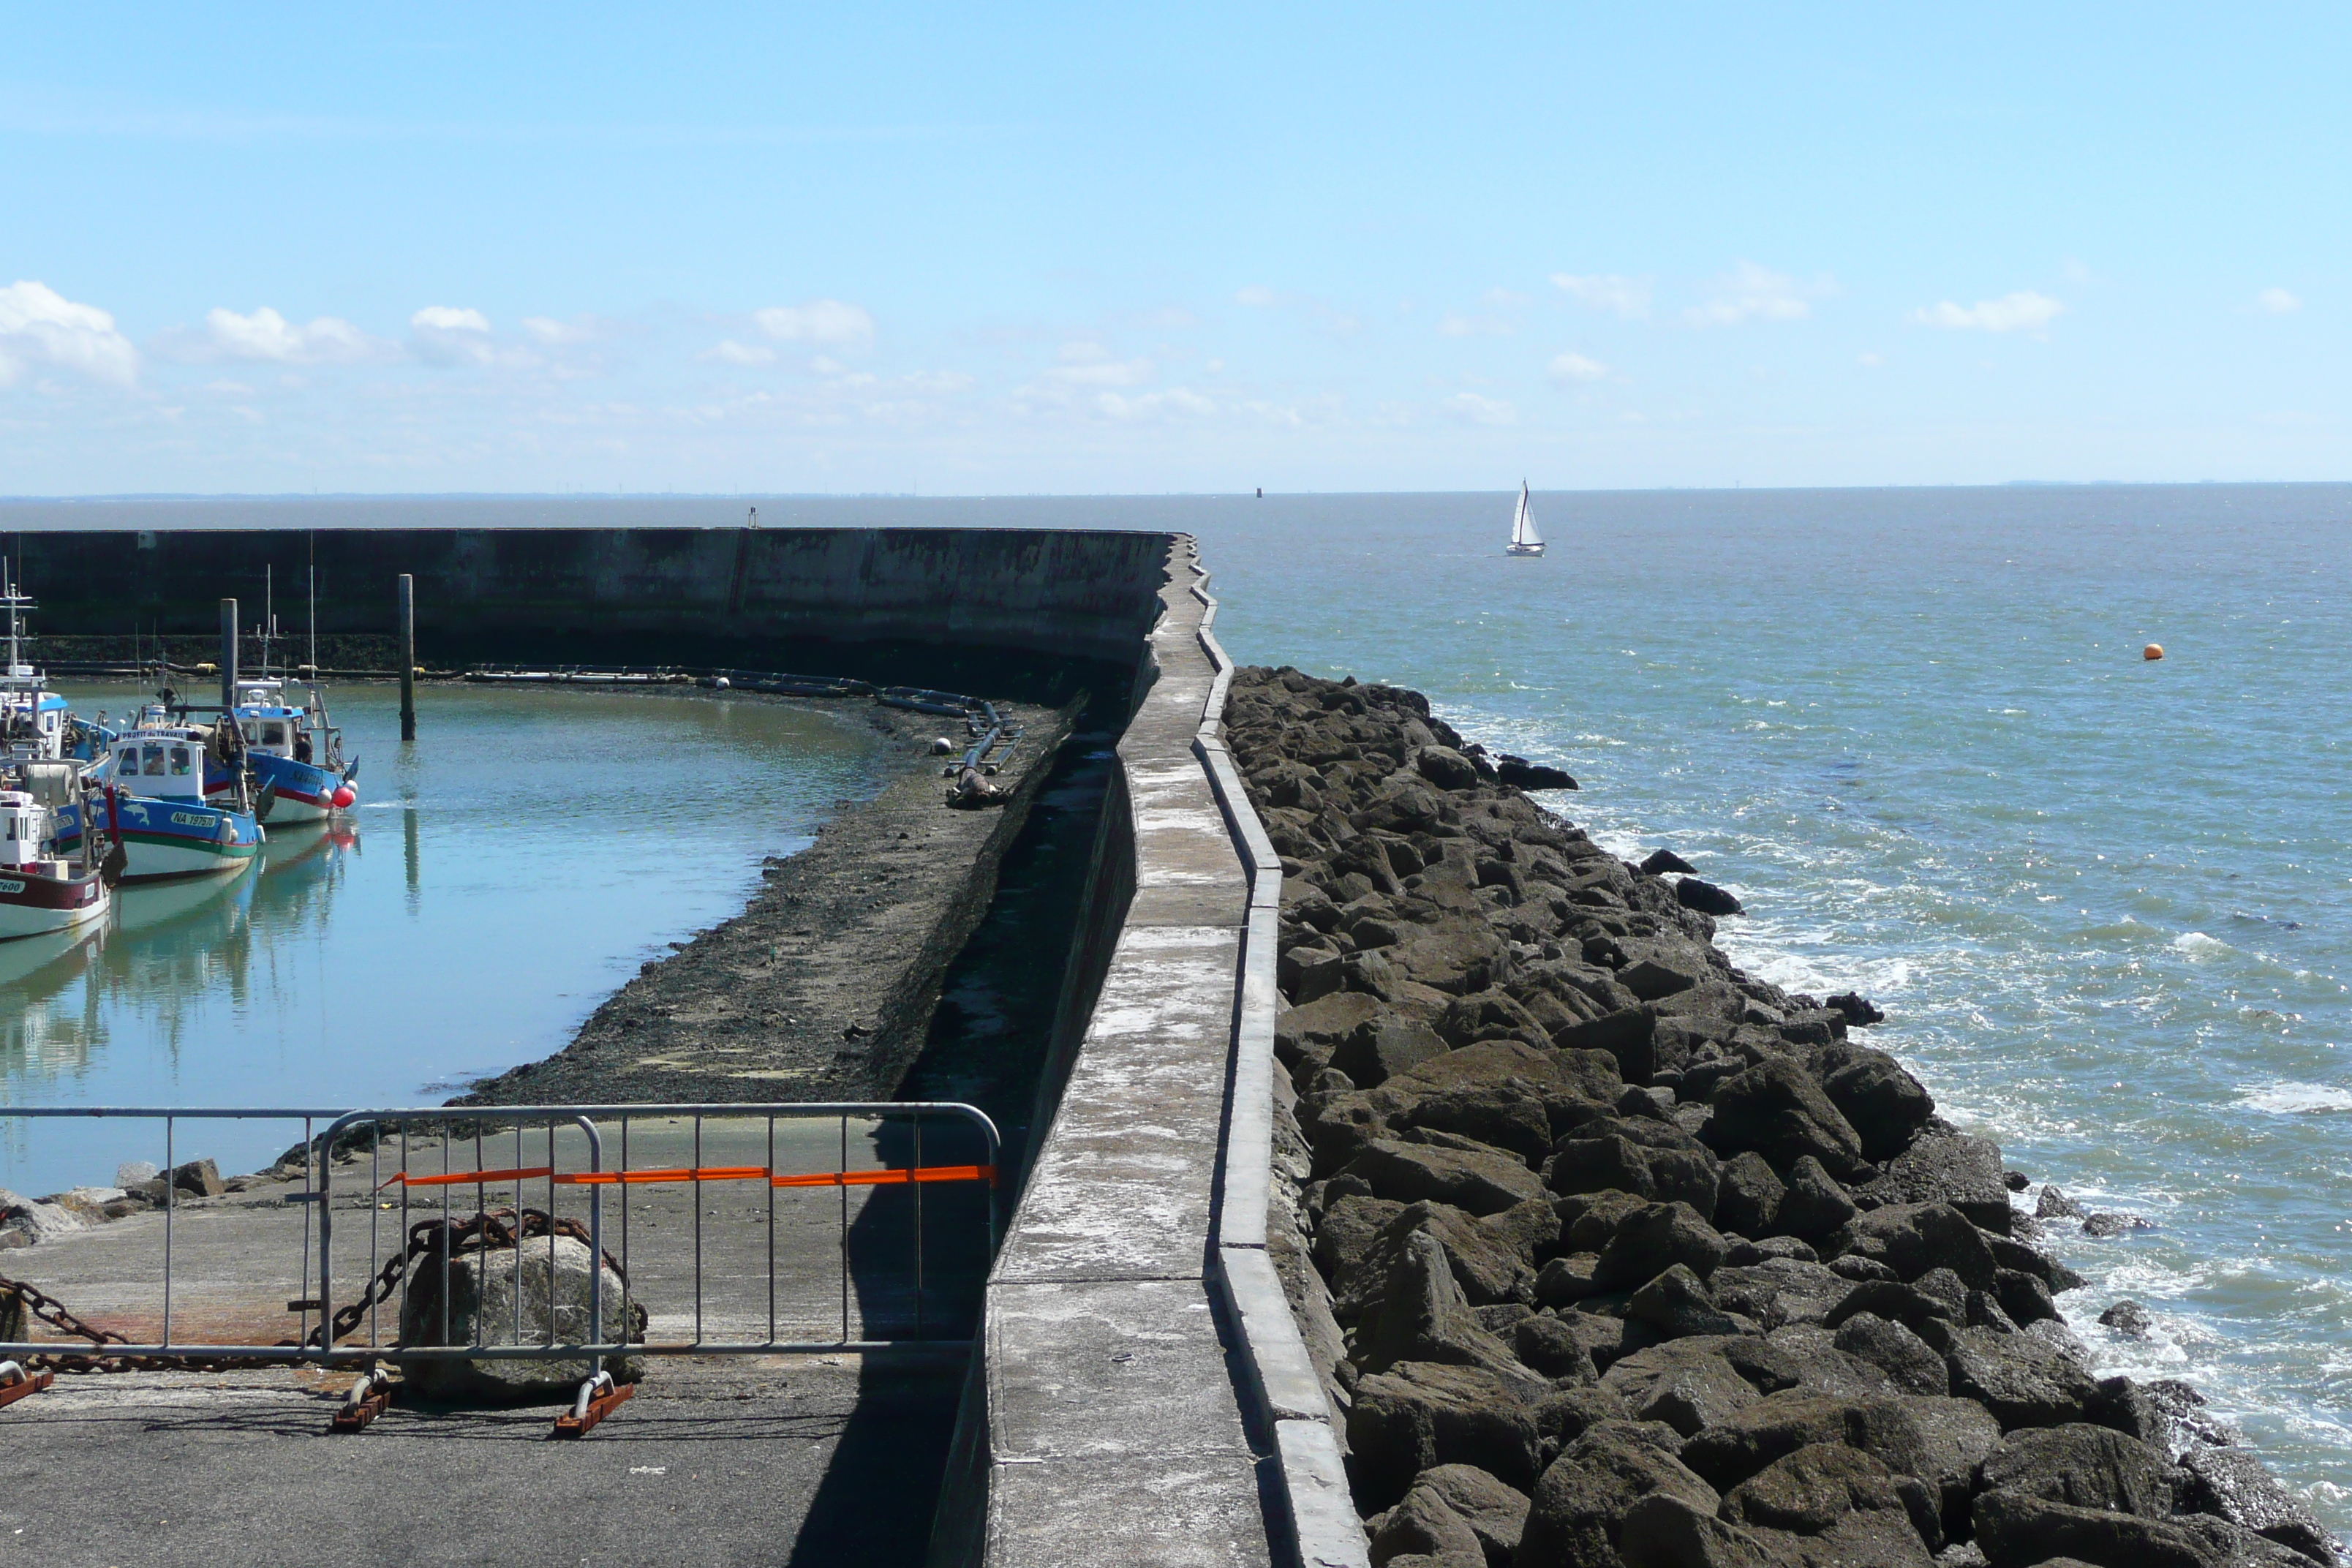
(343, 796)
(2152, 652)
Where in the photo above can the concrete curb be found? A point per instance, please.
(1282, 1386)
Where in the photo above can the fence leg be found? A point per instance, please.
(16, 1384)
(369, 1397)
(598, 1397)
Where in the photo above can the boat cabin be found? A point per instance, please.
(27, 832)
(32, 721)
(277, 729)
(161, 764)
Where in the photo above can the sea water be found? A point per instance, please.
(2105, 902)
(500, 876)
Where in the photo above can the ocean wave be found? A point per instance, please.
(2289, 1099)
(2197, 944)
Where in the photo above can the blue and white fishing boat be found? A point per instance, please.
(156, 778)
(295, 754)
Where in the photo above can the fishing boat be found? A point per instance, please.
(1525, 540)
(33, 718)
(295, 754)
(155, 779)
(45, 888)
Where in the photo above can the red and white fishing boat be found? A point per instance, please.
(41, 890)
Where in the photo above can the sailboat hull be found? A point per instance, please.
(1523, 550)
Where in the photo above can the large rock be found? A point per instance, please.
(1409, 1172)
(1948, 1168)
(1425, 1531)
(1687, 1383)
(1509, 1115)
(2086, 1466)
(1611, 1160)
(1312, 1034)
(1776, 1110)
(1812, 1492)
(1653, 1239)
(1446, 768)
(1577, 1514)
(1748, 1195)
(1895, 1350)
(1458, 961)
(1418, 1415)
(1629, 1036)
(2023, 1380)
(1779, 1290)
(1911, 1238)
(1675, 1305)
(1661, 1530)
(482, 1310)
(1813, 1205)
(1421, 1315)
(1495, 1513)
(1706, 897)
(1885, 1104)
(2232, 1484)
(2015, 1529)
(1485, 1268)
(35, 1220)
(1382, 1046)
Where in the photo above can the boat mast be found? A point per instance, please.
(314, 607)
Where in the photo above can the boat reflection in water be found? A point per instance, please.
(166, 942)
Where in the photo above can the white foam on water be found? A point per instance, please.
(2285, 1098)
(2197, 944)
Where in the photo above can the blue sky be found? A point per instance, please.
(1064, 249)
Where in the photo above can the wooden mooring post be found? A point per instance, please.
(229, 655)
(407, 657)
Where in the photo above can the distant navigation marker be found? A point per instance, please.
(755, 517)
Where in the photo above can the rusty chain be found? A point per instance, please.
(488, 1232)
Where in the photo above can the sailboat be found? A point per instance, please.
(1525, 540)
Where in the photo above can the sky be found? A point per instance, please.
(1063, 249)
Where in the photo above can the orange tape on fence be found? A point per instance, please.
(886, 1178)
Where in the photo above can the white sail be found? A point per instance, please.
(1523, 521)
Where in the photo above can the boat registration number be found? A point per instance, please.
(10, 885)
(190, 819)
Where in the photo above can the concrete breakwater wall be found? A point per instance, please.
(1144, 1395)
(869, 602)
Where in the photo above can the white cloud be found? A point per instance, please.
(1757, 293)
(1628, 297)
(1453, 324)
(2277, 302)
(818, 322)
(729, 352)
(447, 334)
(1570, 368)
(561, 334)
(448, 318)
(2022, 310)
(1473, 409)
(1255, 294)
(41, 327)
(1505, 299)
(264, 335)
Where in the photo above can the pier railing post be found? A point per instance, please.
(229, 654)
(407, 657)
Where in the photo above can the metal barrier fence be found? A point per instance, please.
(563, 1148)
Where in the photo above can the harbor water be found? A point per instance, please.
(499, 879)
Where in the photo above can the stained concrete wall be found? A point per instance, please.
(656, 592)
(1144, 1396)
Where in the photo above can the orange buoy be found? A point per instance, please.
(2152, 652)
